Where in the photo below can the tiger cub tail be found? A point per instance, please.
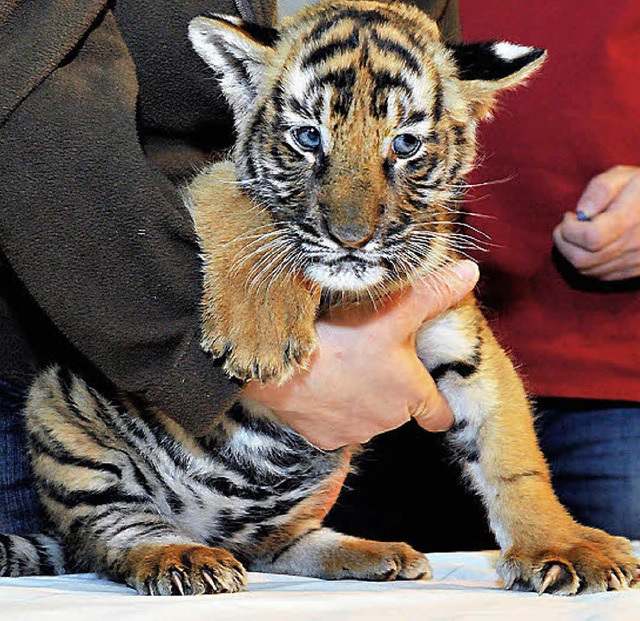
(30, 555)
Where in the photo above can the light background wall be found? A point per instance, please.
(287, 7)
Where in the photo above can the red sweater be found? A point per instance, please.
(578, 117)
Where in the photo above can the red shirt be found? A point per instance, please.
(579, 116)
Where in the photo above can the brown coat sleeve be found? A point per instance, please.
(446, 13)
(96, 235)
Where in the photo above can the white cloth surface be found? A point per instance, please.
(464, 587)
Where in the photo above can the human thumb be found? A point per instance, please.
(430, 409)
(434, 294)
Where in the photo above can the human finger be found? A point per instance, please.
(608, 207)
(625, 274)
(595, 235)
(404, 312)
(426, 404)
(433, 412)
(435, 416)
(601, 191)
(625, 266)
(583, 259)
(433, 295)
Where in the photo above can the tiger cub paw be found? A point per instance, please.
(375, 560)
(590, 562)
(264, 355)
(190, 569)
(259, 336)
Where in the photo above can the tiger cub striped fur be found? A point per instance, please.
(356, 126)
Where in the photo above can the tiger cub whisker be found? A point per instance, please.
(356, 126)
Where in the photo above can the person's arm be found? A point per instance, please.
(366, 378)
(601, 238)
(446, 13)
(100, 239)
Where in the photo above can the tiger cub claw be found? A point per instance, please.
(264, 359)
(190, 569)
(592, 562)
(378, 561)
(264, 338)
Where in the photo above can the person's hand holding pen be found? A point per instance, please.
(602, 238)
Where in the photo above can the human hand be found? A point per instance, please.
(606, 247)
(365, 377)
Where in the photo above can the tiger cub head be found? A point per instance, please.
(355, 129)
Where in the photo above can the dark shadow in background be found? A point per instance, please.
(407, 489)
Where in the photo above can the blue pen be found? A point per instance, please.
(582, 216)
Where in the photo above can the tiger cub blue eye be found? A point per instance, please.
(405, 145)
(308, 138)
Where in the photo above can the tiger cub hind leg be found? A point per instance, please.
(182, 569)
(112, 508)
(325, 554)
(30, 555)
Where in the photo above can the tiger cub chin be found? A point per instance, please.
(355, 129)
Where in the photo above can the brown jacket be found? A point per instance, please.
(101, 104)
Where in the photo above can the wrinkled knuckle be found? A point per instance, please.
(420, 411)
(580, 261)
(599, 188)
(593, 240)
(429, 418)
(584, 271)
(569, 254)
(444, 297)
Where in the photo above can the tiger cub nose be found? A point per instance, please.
(349, 227)
(351, 235)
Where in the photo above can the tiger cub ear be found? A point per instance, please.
(238, 51)
(487, 68)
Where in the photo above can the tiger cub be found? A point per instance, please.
(355, 128)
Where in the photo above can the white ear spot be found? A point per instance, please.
(510, 51)
(199, 32)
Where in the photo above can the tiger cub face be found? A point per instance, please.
(356, 126)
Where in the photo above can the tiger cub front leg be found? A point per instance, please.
(258, 311)
(323, 553)
(543, 548)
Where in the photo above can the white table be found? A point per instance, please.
(464, 587)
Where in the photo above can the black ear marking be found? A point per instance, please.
(492, 60)
(262, 34)
(265, 35)
(237, 51)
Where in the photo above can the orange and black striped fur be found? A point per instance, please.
(356, 126)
